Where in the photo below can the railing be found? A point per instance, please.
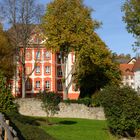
(6, 131)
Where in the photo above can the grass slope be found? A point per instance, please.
(35, 128)
(78, 129)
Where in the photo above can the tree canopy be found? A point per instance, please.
(67, 24)
(6, 55)
(95, 68)
(131, 17)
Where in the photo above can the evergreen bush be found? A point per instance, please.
(6, 98)
(122, 109)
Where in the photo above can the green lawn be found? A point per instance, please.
(78, 129)
(35, 128)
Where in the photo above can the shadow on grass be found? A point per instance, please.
(67, 122)
(27, 128)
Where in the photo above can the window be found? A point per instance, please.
(37, 54)
(127, 84)
(47, 54)
(59, 58)
(47, 84)
(38, 69)
(127, 77)
(28, 55)
(37, 84)
(127, 70)
(48, 69)
(28, 84)
(59, 85)
(132, 84)
(37, 40)
(59, 71)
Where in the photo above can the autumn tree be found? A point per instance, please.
(21, 15)
(121, 58)
(6, 55)
(131, 9)
(95, 68)
(67, 25)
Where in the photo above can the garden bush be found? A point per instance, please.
(86, 101)
(50, 102)
(96, 101)
(122, 109)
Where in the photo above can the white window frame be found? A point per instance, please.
(37, 84)
(38, 54)
(59, 86)
(59, 72)
(47, 84)
(28, 55)
(48, 69)
(28, 85)
(37, 69)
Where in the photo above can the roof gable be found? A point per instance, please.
(127, 69)
(137, 65)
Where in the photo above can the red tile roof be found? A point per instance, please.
(137, 65)
(127, 69)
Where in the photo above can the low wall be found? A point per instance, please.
(32, 107)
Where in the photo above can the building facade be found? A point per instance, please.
(131, 74)
(44, 71)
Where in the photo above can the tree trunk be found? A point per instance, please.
(65, 94)
(63, 68)
(23, 72)
(23, 81)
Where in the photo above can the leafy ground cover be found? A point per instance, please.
(78, 129)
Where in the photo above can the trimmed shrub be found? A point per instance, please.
(86, 101)
(6, 98)
(122, 109)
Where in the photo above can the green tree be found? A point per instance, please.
(95, 68)
(50, 102)
(121, 58)
(131, 9)
(6, 55)
(67, 25)
(6, 98)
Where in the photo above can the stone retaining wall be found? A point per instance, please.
(32, 107)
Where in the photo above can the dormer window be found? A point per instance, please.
(127, 70)
(47, 54)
